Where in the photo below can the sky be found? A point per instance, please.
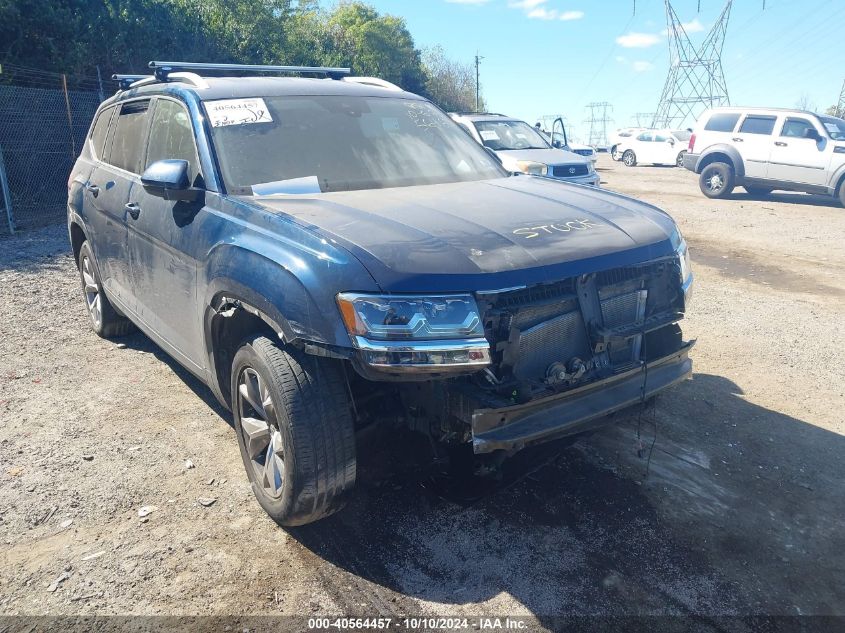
(546, 57)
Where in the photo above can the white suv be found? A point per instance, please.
(766, 149)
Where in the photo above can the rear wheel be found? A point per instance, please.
(629, 158)
(717, 180)
(295, 431)
(105, 321)
(758, 192)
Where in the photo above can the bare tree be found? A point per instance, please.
(805, 103)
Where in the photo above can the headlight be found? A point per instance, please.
(531, 167)
(684, 261)
(433, 333)
(686, 271)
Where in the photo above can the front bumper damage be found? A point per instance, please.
(514, 427)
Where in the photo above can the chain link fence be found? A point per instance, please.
(44, 118)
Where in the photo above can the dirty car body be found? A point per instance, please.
(493, 310)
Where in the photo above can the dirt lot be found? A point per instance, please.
(739, 511)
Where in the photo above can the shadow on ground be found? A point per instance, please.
(577, 531)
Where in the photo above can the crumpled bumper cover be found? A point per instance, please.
(577, 410)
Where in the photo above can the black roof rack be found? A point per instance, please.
(162, 69)
(124, 81)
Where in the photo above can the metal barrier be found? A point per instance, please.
(42, 130)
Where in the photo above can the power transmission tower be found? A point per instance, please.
(598, 123)
(840, 107)
(696, 80)
(643, 119)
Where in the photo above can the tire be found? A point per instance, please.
(842, 193)
(679, 161)
(758, 192)
(299, 432)
(614, 154)
(629, 158)
(104, 319)
(717, 180)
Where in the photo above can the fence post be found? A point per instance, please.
(69, 117)
(7, 196)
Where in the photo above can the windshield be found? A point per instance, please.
(498, 135)
(314, 144)
(834, 126)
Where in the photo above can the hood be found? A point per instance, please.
(547, 156)
(483, 235)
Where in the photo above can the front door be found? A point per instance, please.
(796, 158)
(754, 140)
(162, 234)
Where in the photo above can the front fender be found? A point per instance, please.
(729, 151)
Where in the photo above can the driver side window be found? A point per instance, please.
(172, 137)
(645, 136)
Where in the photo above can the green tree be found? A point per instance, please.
(449, 83)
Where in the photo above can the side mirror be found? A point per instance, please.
(812, 133)
(671, 141)
(168, 179)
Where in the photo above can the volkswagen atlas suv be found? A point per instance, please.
(331, 253)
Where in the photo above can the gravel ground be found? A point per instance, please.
(738, 511)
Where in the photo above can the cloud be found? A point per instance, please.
(535, 10)
(693, 26)
(637, 40)
(566, 16)
(477, 2)
(622, 59)
(641, 67)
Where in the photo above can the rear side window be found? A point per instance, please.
(172, 137)
(754, 124)
(722, 122)
(99, 133)
(129, 133)
(796, 128)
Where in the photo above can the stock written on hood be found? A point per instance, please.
(555, 228)
(237, 112)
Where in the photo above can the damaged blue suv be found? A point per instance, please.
(331, 252)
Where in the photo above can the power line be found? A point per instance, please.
(840, 107)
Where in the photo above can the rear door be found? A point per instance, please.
(163, 237)
(108, 190)
(795, 158)
(754, 141)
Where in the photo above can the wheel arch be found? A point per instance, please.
(78, 236)
(721, 154)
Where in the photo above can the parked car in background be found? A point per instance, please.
(763, 149)
(619, 136)
(655, 147)
(522, 148)
(559, 140)
(332, 253)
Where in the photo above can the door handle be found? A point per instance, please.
(92, 189)
(133, 209)
(736, 139)
(780, 143)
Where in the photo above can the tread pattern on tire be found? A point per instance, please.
(321, 426)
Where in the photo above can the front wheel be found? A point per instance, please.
(614, 153)
(295, 431)
(629, 158)
(679, 161)
(717, 180)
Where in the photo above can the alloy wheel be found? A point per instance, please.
(92, 292)
(261, 432)
(715, 183)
